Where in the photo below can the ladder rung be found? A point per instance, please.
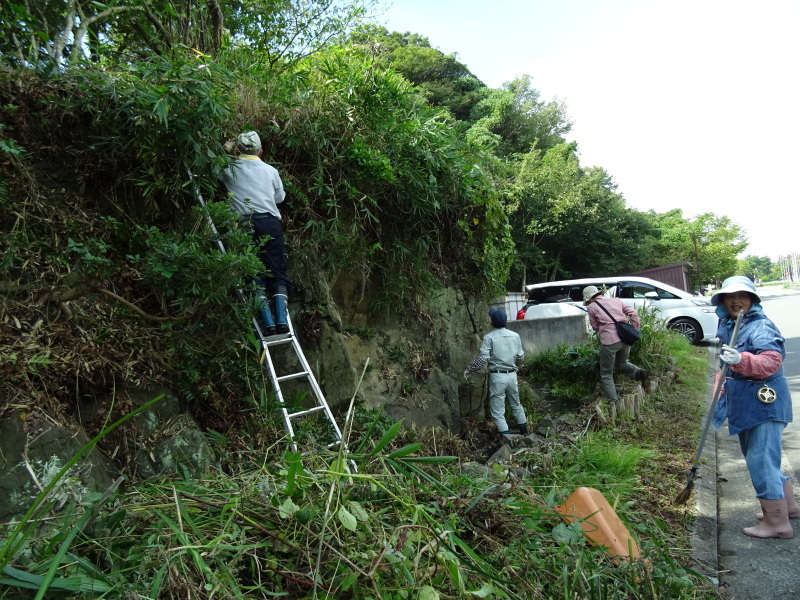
(306, 412)
(274, 341)
(292, 376)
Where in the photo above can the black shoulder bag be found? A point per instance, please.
(627, 332)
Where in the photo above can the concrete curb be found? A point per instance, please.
(705, 550)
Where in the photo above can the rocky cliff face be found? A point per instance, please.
(414, 358)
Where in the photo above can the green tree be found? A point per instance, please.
(724, 241)
(47, 34)
(514, 119)
(710, 242)
(281, 32)
(57, 33)
(568, 221)
(443, 80)
(757, 268)
(673, 243)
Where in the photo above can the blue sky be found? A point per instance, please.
(689, 104)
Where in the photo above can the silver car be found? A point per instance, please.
(692, 316)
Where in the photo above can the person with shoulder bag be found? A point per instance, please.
(606, 315)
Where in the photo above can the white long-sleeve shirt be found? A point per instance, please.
(256, 186)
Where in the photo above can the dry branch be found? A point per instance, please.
(61, 297)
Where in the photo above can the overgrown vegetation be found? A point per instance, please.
(406, 524)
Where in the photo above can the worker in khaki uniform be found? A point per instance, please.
(502, 350)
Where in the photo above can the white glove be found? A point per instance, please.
(466, 373)
(730, 355)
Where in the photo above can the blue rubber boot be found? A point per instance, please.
(266, 316)
(281, 316)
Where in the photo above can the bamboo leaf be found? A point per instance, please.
(23, 579)
(405, 450)
(426, 592)
(387, 437)
(287, 509)
(430, 460)
(358, 511)
(487, 589)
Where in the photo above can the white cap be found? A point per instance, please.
(249, 142)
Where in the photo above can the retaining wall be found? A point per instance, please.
(543, 334)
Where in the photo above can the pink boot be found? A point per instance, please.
(791, 503)
(776, 521)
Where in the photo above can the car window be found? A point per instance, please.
(553, 293)
(632, 289)
(561, 292)
(576, 293)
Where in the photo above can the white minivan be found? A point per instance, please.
(692, 316)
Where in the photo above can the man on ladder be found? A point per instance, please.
(256, 190)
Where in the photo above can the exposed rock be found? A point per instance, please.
(546, 427)
(518, 472)
(33, 449)
(512, 440)
(476, 438)
(532, 440)
(416, 358)
(474, 470)
(167, 439)
(503, 455)
(177, 446)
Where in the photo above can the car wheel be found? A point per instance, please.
(688, 328)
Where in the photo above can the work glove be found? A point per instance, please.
(730, 355)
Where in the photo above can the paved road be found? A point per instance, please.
(750, 568)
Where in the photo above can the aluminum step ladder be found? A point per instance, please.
(274, 342)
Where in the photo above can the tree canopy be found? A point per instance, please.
(369, 125)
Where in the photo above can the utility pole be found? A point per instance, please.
(697, 260)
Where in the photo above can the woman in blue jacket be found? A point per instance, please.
(756, 402)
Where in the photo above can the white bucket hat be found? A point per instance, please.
(589, 292)
(738, 283)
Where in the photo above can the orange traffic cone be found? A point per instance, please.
(599, 522)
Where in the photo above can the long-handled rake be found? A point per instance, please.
(687, 491)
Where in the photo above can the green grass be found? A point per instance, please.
(600, 461)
